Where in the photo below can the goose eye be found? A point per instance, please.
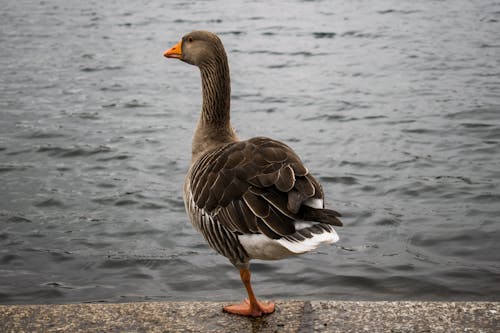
(190, 39)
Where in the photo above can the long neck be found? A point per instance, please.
(216, 88)
(214, 126)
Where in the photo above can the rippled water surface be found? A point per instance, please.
(393, 105)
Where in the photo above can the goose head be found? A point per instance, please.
(197, 48)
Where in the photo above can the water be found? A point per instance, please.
(394, 106)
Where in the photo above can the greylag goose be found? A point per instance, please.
(250, 199)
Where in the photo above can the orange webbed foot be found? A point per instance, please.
(247, 309)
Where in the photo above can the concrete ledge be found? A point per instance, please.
(290, 316)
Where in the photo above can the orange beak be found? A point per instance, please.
(175, 51)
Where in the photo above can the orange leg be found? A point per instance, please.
(250, 307)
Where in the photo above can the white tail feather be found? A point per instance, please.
(310, 243)
(259, 246)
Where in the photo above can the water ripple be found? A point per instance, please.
(394, 107)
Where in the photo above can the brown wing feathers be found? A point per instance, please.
(257, 185)
(305, 187)
(328, 216)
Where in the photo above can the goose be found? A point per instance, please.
(250, 199)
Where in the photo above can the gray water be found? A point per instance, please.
(393, 105)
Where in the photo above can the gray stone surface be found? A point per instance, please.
(290, 316)
(406, 316)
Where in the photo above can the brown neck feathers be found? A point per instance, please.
(214, 127)
(216, 87)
